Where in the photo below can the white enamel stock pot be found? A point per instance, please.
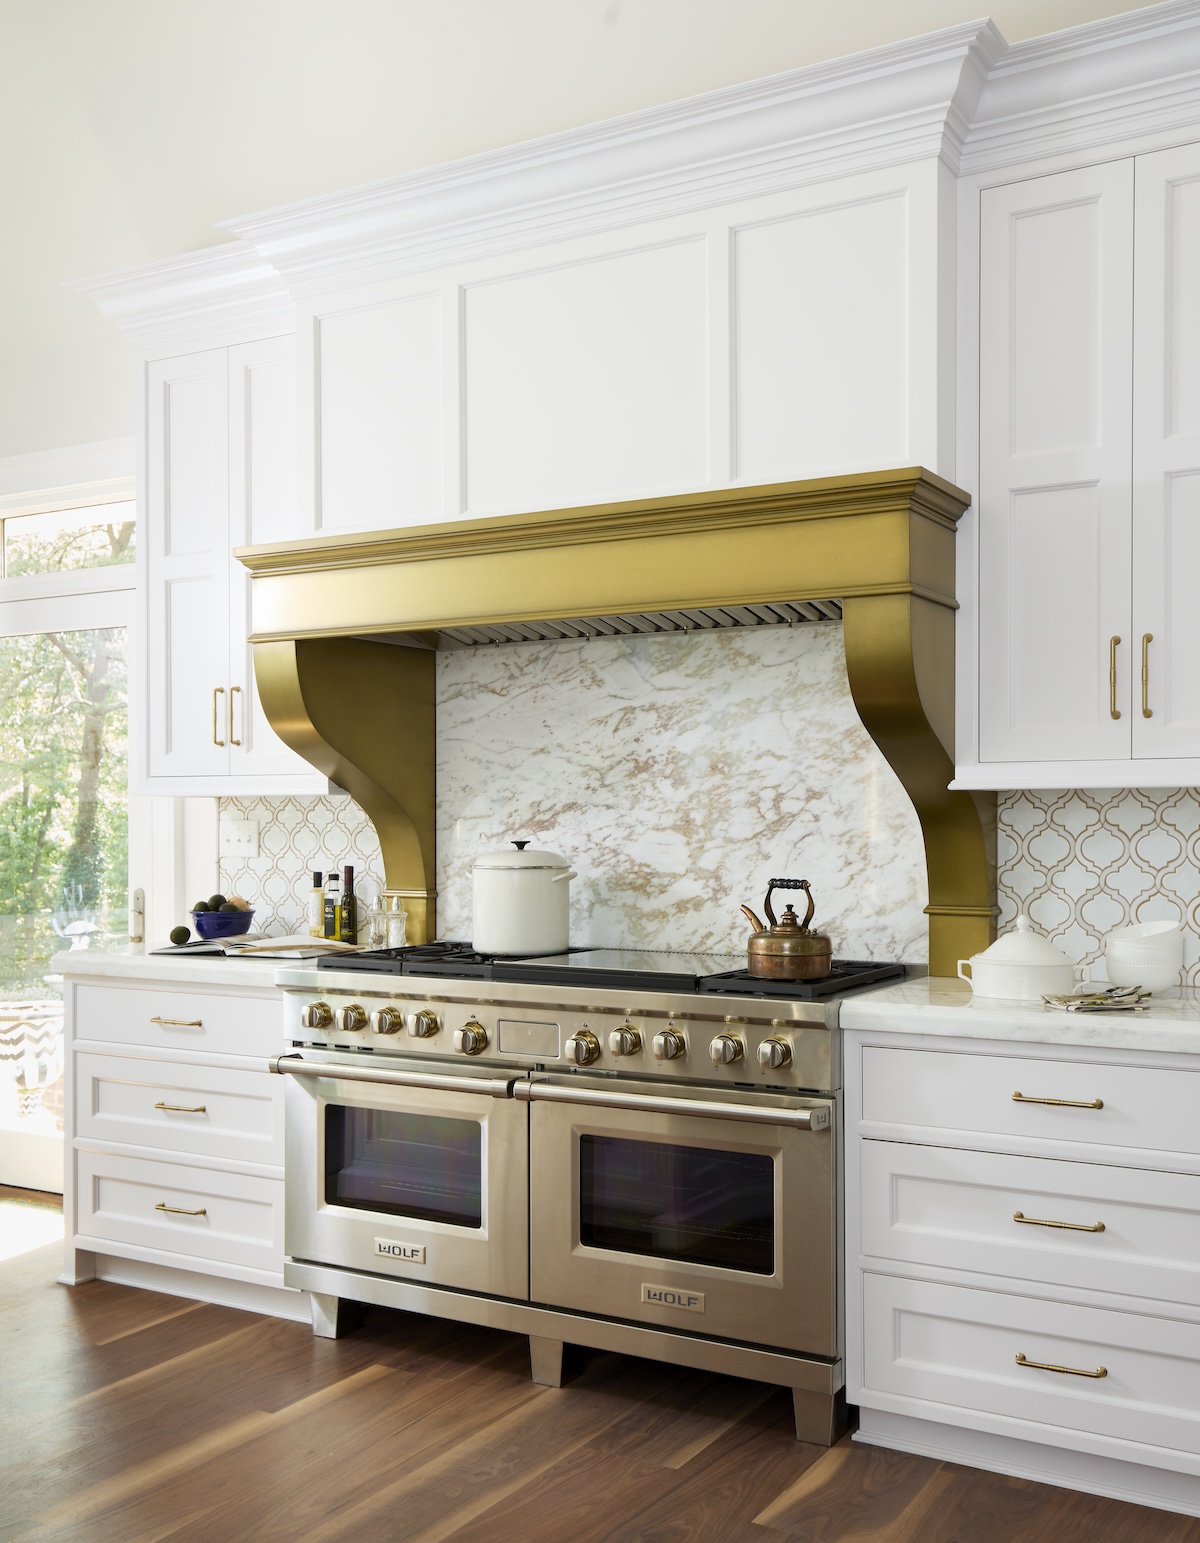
(1021, 966)
(521, 901)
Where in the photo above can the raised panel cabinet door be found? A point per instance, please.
(1166, 455)
(187, 566)
(1055, 524)
(262, 508)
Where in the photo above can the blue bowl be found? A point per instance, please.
(221, 924)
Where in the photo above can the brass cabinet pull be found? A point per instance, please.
(1147, 639)
(203, 1109)
(217, 691)
(1032, 1221)
(179, 1023)
(1113, 710)
(178, 1210)
(1066, 1371)
(1059, 1103)
(233, 691)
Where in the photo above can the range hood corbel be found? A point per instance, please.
(881, 542)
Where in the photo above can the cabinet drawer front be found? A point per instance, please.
(944, 1091)
(157, 1018)
(228, 1218)
(209, 1110)
(952, 1347)
(956, 1209)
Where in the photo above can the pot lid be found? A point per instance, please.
(1024, 946)
(516, 856)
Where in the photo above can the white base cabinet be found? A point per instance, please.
(174, 1162)
(1023, 1259)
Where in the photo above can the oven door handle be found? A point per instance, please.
(435, 1082)
(647, 1103)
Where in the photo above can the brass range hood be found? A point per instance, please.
(329, 611)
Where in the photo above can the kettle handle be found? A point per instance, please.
(789, 884)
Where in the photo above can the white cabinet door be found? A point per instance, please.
(262, 508)
(1056, 286)
(187, 566)
(1166, 454)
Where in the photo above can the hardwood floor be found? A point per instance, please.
(130, 1417)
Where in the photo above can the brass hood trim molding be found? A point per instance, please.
(361, 711)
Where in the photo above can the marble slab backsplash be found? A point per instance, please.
(1085, 862)
(677, 773)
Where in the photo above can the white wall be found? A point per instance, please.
(130, 127)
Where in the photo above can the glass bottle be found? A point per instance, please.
(333, 905)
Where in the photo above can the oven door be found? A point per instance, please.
(408, 1172)
(710, 1212)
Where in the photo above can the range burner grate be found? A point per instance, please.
(845, 975)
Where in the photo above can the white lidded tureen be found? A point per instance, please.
(1021, 966)
(521, 901)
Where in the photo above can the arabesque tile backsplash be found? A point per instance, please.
(1085, 862)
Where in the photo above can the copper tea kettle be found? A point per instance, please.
(787, 950)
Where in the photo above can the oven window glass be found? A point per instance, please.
(415, 1165)
(688, 1203)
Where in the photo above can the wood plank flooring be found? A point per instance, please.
(130, 1417)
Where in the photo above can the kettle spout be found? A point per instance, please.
(752, 919)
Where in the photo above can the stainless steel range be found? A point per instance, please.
(630, 1150)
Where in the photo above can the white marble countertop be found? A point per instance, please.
(181, 970)
(943, 1006)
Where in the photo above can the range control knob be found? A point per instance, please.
(316, 1015)
(387, 1021)
(774, 1053)
(423, 1024)
(625, 1041)
(582, 1048)
(350, 1019)
(471, 1039)
(669, 1045)
(725, 1049)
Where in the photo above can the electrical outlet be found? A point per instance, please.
(238, 838)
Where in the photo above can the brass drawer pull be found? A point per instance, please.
(1113, 710)
(1147, 639)
(1059, 1103)
(179, 1023)
(1067, 1371)
(178, 1210)
(233, 691)
(202, 1109)
(217, 691)
(1032, 1221)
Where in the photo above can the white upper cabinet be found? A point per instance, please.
(1088, 501)
(1166, 456)
(221, 472)
(1056, 272)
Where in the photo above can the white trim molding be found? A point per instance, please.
(69, 477)
(884, 107)
(961, 95)
(208, 299)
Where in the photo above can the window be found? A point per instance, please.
(65, 606)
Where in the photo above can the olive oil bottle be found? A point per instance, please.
(348, 918)
(333, 906)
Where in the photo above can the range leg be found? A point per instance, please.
(820, 1417)
(334, 1316)
(546, 1360)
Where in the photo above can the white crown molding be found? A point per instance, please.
(961, 95)
(68, 477)
(207, 299)
(1077, 92)
(880, 108)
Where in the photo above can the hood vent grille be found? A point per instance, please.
(778, 614)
